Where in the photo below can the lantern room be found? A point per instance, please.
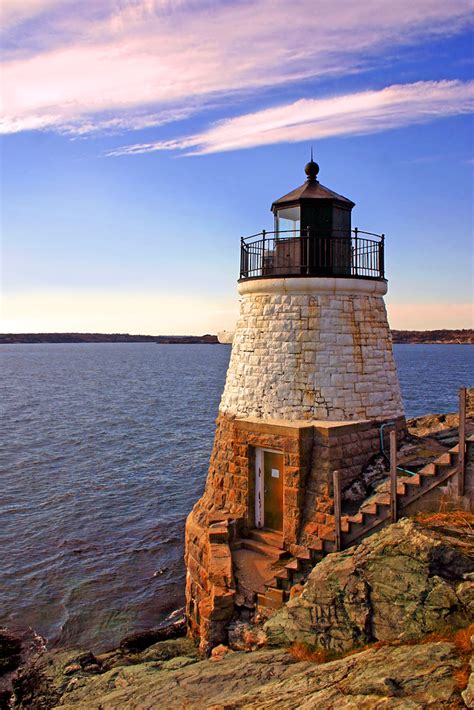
(312, 236)
(313, 209)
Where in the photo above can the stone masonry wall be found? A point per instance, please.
(312, 451)
(210, 585)
(312, 356)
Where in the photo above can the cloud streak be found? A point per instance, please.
(148, 60)
(313, 119)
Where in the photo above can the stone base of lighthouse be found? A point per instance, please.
(311, 381)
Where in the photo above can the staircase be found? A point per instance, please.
(376, 512)
(372, 515)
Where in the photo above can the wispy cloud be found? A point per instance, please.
(15, 12)
(350, 114)
(138, 62)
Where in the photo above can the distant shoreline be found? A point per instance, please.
(408, 337)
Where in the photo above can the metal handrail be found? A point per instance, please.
(311, 252)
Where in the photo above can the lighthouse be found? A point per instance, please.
(311, 388)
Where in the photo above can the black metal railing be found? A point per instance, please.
(312, 253)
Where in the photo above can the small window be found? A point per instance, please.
(287, 222)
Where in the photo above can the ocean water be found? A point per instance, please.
(104, 449)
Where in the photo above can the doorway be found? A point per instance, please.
(269, 489)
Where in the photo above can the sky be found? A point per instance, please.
(140, 139)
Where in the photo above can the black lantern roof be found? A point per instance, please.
(311, 190)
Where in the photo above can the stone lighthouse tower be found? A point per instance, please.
(311, 382)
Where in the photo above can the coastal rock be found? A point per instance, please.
(245, 637)
(169, 629)
(416, 676)
(41, 685)
(401, 583)
(16, 651)
(165, 650)
(10, 651)
(468, 693)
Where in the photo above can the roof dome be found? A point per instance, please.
(311, 169)
(311, 190)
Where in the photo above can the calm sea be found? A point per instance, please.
(104, 449)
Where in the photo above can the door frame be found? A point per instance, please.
(259, 503)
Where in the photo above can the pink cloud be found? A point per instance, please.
(357, 113)
(155, 56)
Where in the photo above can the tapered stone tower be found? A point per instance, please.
(311, 382)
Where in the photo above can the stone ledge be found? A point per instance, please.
(292, 427)
(283, 427)
(314, 284)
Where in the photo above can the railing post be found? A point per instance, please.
(393, 475)
(336, 478)
(242, 258)
(263, 252)
(382, 256)
(356, 251)
(462, 441)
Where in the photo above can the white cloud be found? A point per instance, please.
(358, 113)
(137, 58)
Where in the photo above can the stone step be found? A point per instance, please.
(281, 580)
(266, 603)
(359, 531)
(316, 545)
(328, 535)
(428, 470)
(444, 459)
(369, 509)
(292, 565)
(262, 548)
(218, 533)
(304, 556)
(413, 480)
(277, 595)
(267, 537)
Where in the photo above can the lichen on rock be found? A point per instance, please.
(401, 583)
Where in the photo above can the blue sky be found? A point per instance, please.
(142, 138)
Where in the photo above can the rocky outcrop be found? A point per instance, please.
(417, 676)
(401, 583)
(16, 650)
(48, 681)
(411, 579)
(468, 693)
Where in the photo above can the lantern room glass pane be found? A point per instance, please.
(287, 220)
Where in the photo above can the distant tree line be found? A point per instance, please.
(465, 336)
(104, 338)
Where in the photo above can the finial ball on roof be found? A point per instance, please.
(311, 169)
